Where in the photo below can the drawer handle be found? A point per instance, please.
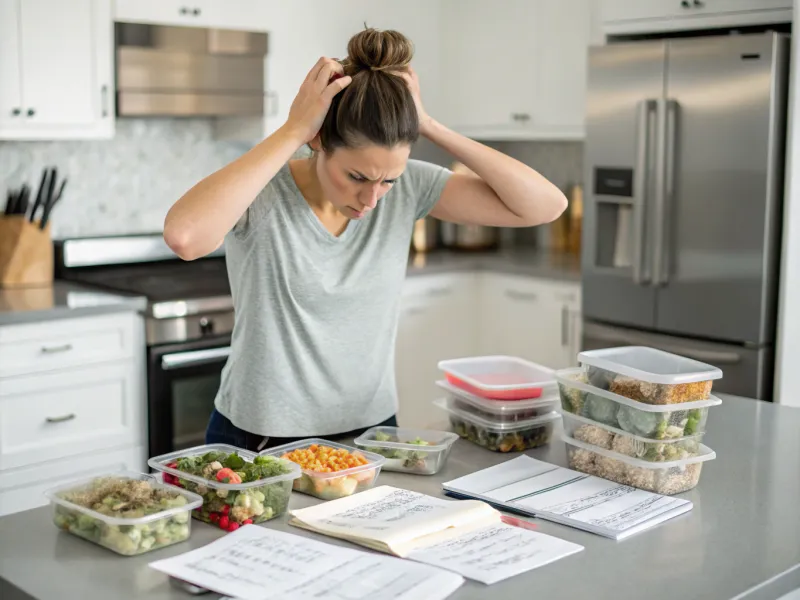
(62, 419)
(55, 349)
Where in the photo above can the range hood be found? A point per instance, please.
(189, 71)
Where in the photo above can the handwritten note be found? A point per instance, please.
(255, 563)
(497, 552)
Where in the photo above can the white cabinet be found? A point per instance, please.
(227, 14)
(56, 67)
(437, 321)
(515, 70)
(72, 400)
(627, 16)
(535, 319)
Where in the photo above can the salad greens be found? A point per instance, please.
(513, 441)
(230, 508)
(124, 498)
(402, 459)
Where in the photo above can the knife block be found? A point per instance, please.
(26, 253)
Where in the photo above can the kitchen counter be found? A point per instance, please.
(741, 539)
(62, 300)
(533, 262)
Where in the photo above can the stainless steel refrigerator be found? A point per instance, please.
(684, 160)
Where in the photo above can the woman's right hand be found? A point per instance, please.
(314, 98)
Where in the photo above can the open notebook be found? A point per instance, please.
(531, 487)
(468, 537)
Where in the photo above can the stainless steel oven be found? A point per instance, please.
(183, 380)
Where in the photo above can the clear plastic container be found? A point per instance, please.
(501, 437)
(500, 411)
(417, 451)
(609, 438)
(128, 532)
(336, 484)
(499, 377)
(656, 422)
(229, 505)
(666, 478)
(649, 375)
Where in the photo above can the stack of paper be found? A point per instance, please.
(535, 488)
(467, 537)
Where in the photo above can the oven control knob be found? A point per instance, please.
(206, 326)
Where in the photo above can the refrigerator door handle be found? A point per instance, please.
(665, 188)
(645, 109)
(714, 357)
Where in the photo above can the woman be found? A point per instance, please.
(317, 247)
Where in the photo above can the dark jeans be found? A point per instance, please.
(221, 431)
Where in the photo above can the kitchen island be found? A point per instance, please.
(741, 539)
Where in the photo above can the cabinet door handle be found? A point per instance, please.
(184, 10)
(56, 349)
(686, 4)
(16, 112)
(31, 112)
(564, 325)
(196, 12)
(522, 296)
(699, 3)
(61, 419)
(104, 100)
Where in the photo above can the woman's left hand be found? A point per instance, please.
(411, 79)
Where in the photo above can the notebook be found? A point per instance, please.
(535, 488)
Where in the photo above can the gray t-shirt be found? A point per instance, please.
(312, 349)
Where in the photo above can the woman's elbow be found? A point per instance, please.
(179, 239)
(548, 210)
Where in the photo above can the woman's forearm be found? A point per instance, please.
(522, 190)
(197, 223)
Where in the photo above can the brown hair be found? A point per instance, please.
(377, 106)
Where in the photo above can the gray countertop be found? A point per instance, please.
(61, 300)
(531, 262)
(741, 539)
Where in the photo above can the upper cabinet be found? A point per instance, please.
(630, 17)
(517, 69)
(230, 14)
(56, 69)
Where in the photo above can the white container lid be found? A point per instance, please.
(494, 426)
(192, 500)
(565, 377)
(650, 365)
(499, 373)
(500, 407)
(437, 440)
(704, 453)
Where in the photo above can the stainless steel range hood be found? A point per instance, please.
(189, 71)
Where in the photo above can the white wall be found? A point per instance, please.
(787, 363)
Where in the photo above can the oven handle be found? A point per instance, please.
(179, 360)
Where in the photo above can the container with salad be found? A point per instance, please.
(648, 375)
(329, 470)
(238, 487)
(129, 513)
(417, 451)
(657, 422)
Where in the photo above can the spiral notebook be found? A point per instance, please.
(534, 488)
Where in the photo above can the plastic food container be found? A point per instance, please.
(229, 505)
(501, 437)
(499, 411)
(657, 422)
(418, 451)
(499, 377)
(336, 484)
(673, 477)
(127, 532)
(610, 438)
(649, 375)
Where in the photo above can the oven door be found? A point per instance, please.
(183, 380)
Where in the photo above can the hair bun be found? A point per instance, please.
(375, 50)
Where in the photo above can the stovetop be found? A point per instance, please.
(162, 282)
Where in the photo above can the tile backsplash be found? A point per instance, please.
(127, 184)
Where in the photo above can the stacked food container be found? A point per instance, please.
(503, 403)
(637, 416)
